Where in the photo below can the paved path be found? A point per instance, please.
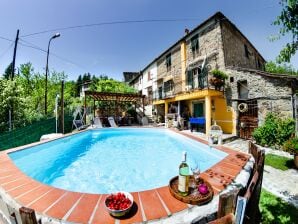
(283, 184)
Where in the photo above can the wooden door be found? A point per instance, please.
(248, 120)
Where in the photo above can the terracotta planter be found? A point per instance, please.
(217, 83)
(296, 160)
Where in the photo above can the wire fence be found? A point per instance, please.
(32, 132)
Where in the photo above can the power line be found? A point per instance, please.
(4, 38)
(30, 45)
(6, 50)
(109, 23)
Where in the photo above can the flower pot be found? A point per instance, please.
(217, 83)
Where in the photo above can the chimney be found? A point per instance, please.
(186, 31)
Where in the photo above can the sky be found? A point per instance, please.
(112, 49)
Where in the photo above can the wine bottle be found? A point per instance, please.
(183, 178)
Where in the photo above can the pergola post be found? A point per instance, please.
(116, 110)
(85, 108)
(93, 108)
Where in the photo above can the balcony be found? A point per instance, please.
(194, 81)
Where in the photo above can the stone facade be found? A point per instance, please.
(210, 45)
(174, 72)
(273, 94)
(238, 51)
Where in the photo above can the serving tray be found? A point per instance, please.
(194, 197)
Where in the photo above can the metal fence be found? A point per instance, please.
(296, 112)
(31, 133)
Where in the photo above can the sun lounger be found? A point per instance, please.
(112, 122)
(97, 122)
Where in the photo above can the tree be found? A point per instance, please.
(26, 71)
(11, 96)
(8, 71)
(288, 20)
(78, 85)
(280, 69)
(111, 85)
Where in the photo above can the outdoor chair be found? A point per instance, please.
(112, 122)
(79, 125)
(248, 212)
(97, 122)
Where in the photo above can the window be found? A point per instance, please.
(149, 76)
(168, 86)
(246, 51)
(168, 62)
(259, 64)
(194, 44)
(243, 89)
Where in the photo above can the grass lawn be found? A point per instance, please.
(275, 210)
(279, 162)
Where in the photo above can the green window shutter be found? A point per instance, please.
(189, 78)
(195, 43)
(168, 60)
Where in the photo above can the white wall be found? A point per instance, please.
(152, 69)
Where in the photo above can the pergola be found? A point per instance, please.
(117, 98)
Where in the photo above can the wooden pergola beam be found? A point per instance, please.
(115, 97)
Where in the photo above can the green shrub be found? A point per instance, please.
(219, 74)
(275, 131)
(291, 145)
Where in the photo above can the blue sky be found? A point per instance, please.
(113, 49)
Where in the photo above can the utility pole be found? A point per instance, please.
(14, 54)
(62, 108)
(11, 77)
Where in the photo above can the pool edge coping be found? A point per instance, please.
(165, 214)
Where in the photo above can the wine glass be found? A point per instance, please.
(195, 168)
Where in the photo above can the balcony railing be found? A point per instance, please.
(192, 83)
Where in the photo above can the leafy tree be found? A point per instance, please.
(288, 22)
(78, 85)
(11, 100)
(8, 71)
(111, 85)
(280, 69)
(26, 71)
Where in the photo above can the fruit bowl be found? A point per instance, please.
(119, 203)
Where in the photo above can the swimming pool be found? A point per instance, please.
(108, 160)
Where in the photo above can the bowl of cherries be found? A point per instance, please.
(119, 203)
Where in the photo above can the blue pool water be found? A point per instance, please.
(108, 160)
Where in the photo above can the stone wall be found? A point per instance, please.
(235, 51)
(174, 72)
(273, 94)
(210, 44)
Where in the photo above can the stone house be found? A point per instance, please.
(185, 81)
(262, 92)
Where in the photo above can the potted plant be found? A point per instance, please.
(291, 146)
(218, 79)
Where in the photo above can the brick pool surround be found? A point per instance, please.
(78, 207)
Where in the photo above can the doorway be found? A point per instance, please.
(198, 109)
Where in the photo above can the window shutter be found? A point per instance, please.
(189, 78)
(195, 43)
